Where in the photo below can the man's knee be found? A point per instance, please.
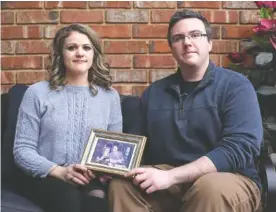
(222, 192)
(212, 181)
(212, 187)
(229, 188)
(119, 185)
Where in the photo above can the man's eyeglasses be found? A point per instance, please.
(192, 36)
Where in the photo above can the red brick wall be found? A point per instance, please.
(133, 34)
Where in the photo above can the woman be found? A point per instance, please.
(55, 120)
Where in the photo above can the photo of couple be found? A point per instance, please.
(113, 153)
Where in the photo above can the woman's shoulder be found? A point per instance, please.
(38, 89)
(39, 86)
(111, 92)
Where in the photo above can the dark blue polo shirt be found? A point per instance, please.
(219, 119)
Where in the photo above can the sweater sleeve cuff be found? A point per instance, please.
(45, 169)
(220, 160)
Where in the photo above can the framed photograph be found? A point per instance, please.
(113, 153)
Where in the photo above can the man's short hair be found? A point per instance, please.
(183, 14)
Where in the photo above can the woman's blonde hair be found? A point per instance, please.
(98, 74)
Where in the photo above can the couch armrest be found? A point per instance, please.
(268, 177)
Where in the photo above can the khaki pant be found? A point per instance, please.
(214, 192)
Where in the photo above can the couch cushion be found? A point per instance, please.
(9, 169)
(130, 112)
(11, 202)
(4, 107)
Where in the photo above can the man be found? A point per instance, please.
(204, 132)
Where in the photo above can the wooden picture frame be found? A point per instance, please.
(113, 153)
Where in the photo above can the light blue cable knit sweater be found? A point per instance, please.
(53, 127)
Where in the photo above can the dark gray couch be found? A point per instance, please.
(12, 202)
